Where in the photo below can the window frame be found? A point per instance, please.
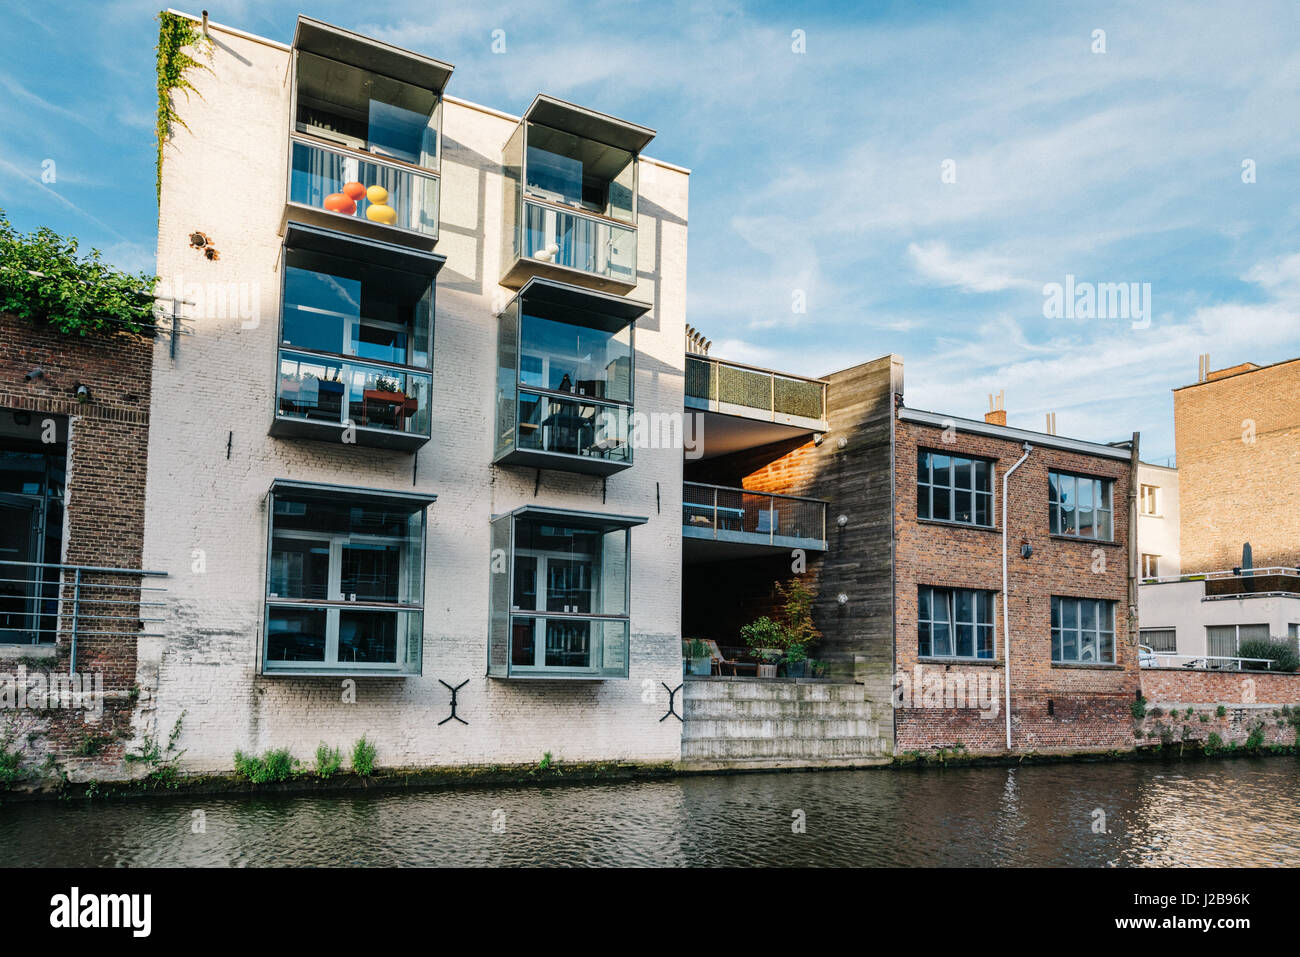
(980, 597)
(1146, 566)
(1142, 640)
(1056, 505)
(953, 489)
(1154, 496)
(1058, 630)
(404, 612)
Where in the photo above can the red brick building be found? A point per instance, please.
(74, 423)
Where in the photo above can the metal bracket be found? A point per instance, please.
(537, 483)
(453, 701)
(672, 694)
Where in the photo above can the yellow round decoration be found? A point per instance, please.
(377, 194)
(380, 213)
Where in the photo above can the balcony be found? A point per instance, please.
(322, 397)
(745, 407)
(570, 200)
(345, 581)
(366, 144)
(565, 370)
(344, 189)
(722, 522)
(559, 603)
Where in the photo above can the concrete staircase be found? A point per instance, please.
(773, 722)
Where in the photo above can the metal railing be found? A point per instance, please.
(75, 601)
(726, 512)
(1149, 658)
(749, 387)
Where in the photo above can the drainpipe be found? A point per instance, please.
(1006, 609)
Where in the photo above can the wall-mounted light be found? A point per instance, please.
(842, 598)
(82, 393)
(842, 521)
(818, 438)
(843, 442)
(34, 375)
(1026, 550)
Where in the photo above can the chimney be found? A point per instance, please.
(696, 344)
(1204, 373)
(997, 413)
(1051, 423)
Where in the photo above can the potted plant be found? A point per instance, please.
(699, 658)
(766, 640)
(796, 661)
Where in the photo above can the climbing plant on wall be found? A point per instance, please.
(175, 33)
(43, 278)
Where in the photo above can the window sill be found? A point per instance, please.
(1056, 536)
(978, 662)
(1087, 665)
(944, 523)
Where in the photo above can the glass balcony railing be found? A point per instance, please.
(589, 244)
(342, 637)
(356, 186)
(738, 515)
(729, 386)
(568, 647)
(338, 391)
(550, 424)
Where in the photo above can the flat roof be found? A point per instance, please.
(562, 115)
(345, 46)
(1225, 378)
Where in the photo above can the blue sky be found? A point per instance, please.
(819, 173)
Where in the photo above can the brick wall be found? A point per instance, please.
(104, 516)
(1238, 440)
(1089, 704)
(1166, 685)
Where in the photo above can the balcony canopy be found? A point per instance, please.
(581, 306)
(344, 46)
(580, 121)
(408, 502)
(597, 520)
(361, 249)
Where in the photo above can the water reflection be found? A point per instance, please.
(1242, 812)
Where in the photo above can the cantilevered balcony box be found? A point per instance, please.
(356, 340)
(571, 197)
(560, 593)
(344, 581)
(565, 369)
(365, 145)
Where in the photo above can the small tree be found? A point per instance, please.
(1280, 652)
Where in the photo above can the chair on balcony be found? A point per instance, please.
(720, 660)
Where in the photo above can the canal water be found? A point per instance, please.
(1200, 813)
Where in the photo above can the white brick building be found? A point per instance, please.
(351, 407)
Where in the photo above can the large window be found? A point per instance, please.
(366, 111)
(574, 171)
(1223, 641)
(560, 592)
(345, 580)
(356, 337)
(951, 488)
(565, 368)
(954, 623)
(1081, 506)
(1083, 631)
(33, 473)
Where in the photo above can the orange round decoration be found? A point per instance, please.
(339, 203)
(354, 190)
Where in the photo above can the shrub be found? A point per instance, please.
(363, 757)
(763, 633)
(1255, 739)
(1278, 650)
(1213, 743)
(328, 760)
(275, 766)
(1220, 711)
(1139, 709)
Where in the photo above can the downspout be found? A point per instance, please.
(1006, 609)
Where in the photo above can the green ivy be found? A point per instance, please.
(43, 278)
(175, 33)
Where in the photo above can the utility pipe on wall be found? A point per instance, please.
(1006, 611)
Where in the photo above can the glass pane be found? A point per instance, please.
(1083, 511)
(573, 428)
(295, 634)
(574, 171)
(965, 605)
(567, 239)
(941, 470)
(923, 639)
(613, 580)
(576, 359)
(300, 568)
(963, 512)
(965, 641)
(983, 509)
(371, 572)
(350, 186)
(942, 637)
(984, 637)
(568, 644)
(1104, 530)
(923, 501)
(982, 475)
(368, 636)
(923, 604)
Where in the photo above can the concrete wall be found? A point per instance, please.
(1158, 534)
(1184, 607)
(207, 521)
